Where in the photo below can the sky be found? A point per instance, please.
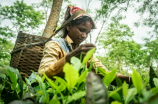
(131, 17)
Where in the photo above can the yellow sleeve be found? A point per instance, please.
(53, 60)
(98, 63)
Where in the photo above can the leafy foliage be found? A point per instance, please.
(120, 48)
(19, 17)
(76, 87)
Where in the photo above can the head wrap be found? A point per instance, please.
(73, 13)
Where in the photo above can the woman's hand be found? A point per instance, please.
(82, 49)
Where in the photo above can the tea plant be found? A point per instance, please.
(81, 84)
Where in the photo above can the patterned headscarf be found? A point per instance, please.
(73, 13)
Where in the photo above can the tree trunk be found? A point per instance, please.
(150, 56)
(119, 63)
(53, 18)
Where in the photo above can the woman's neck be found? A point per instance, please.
(74, 46)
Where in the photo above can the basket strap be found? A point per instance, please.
(63, 44)
(43, 42)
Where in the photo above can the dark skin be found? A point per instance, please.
(78, 34)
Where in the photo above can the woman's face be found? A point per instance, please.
(79, 33)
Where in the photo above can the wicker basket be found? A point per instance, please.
(25, 56)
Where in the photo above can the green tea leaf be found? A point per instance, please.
(62, 82)
(110, 94)
(12, 70)
(154, 90)
(82, 101)
(109, 77)
(148, 94)
(54, 101)
(27, 81)
(20, 81)
(13, 77)
(119, 82)
(76, 63)
(137, 81)
(1, 88)
(76, 96)
(115, 102)
(88, 56)
(125, 90)
(71, 75)
(42, 85)
(153, 100)
(91, 66)
(96, 92)
(131, 94)
(52, 84)
(102, 71)
(82, 77)
(44, 99)
(116, 96)
(155, 81)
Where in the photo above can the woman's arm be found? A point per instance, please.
(53, 60)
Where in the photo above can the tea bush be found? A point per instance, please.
(81, 84)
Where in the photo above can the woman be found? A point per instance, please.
(76, 27)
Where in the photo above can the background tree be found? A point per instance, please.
(120, 48)
(147, 9)
(109, 9)
(151, 48)
(53, 18)
(19, 17)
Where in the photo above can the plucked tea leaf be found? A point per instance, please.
(96, 92)
(76, 63)
(88, 56)
(71, 75)
(137, 81)
(109, 77)
(76, 96)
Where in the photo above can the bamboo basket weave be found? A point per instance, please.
(26, 57)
